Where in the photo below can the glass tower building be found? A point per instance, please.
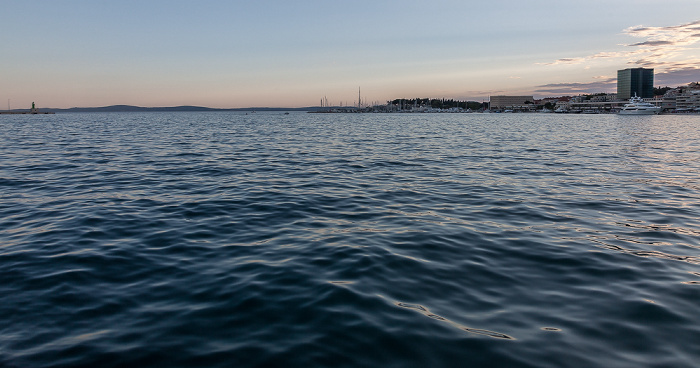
(639, 81)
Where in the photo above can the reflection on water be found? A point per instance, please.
(477, 331)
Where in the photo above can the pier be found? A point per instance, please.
(32, 111)
(26, 112)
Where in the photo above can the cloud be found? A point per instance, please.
(658, 62)
(600, 55)
(565, 61)
(607, 84)
(652, 43)
(680, 35)
(661, 48)
(678, 76)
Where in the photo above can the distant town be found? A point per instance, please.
(632, 82)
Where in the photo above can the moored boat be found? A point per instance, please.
(637, 106)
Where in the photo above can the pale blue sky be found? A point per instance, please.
(67, 53)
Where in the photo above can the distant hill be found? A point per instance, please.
(129, 108)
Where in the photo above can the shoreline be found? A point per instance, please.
(26, 112)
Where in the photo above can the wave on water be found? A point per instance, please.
(223, 239)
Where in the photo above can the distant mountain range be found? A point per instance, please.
(129, 108)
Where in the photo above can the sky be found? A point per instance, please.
(282, 53)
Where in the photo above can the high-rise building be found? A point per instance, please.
(639, 81)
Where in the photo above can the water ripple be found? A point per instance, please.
(477, 331)
(224, 239)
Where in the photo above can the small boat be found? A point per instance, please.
(636, 106)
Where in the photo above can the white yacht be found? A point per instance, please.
(637, 106)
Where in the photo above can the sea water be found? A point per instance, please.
(349, 240)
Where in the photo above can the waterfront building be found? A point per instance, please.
(561, 105)
(688, 101)
(512, 102)
(656, 101)
(609, 97)
(669, 100)
(577, 99)
(682, 99)
(635, 81)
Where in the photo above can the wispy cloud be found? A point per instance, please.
(565, 61)
(604, 84)
(681, 35)
(678, 76)
(664, 48)
(600, 55)
(652, 43)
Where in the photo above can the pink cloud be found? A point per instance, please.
(660, 49)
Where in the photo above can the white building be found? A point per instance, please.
(682, 99)
(688, 100)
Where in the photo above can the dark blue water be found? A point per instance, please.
(325, 240)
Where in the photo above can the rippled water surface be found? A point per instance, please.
(373, 240)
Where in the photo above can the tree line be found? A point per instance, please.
(408, 103)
